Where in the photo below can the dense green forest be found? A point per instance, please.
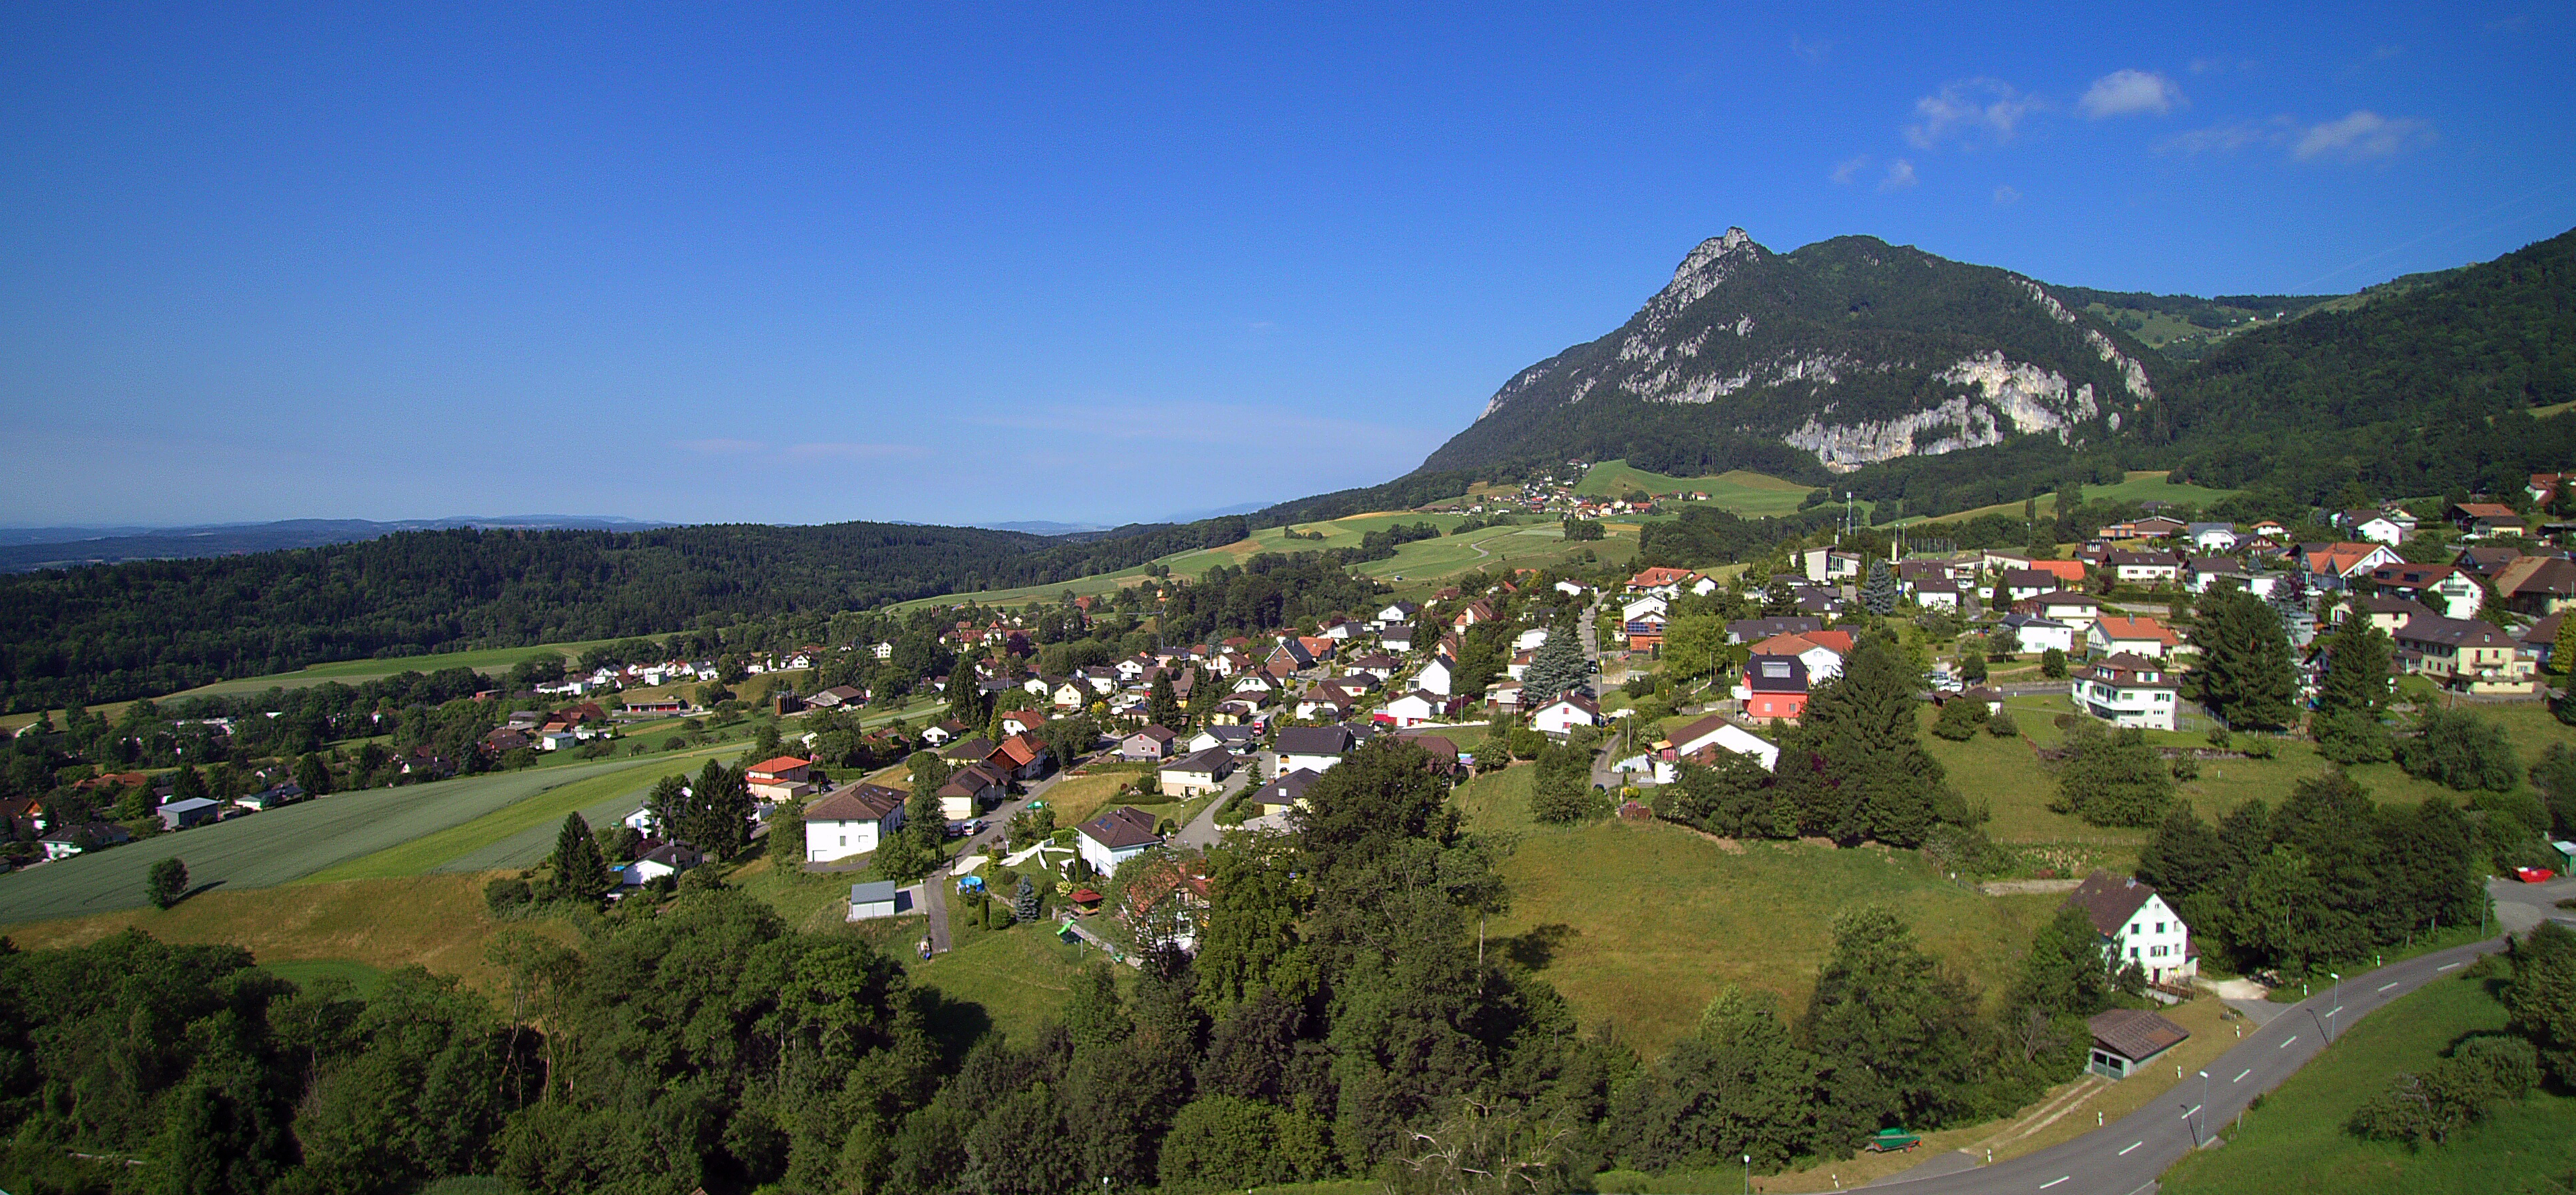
(113, 632)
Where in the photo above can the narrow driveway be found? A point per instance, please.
(2127, 1155)
(997, 824)
(1202, 832)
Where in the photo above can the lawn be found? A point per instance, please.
(285, 845)
(1639, 924)
(2295, 1140)
(1745, 493)
(1075, 798)
(2142, 485)
(438, 922)
(1020, 976)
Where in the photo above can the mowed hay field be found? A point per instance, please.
(304, 841)
(1639, 924)
(439, 922)
(1745, 493)
(2142, 485)
(2296, 1140)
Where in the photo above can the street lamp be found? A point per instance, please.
(2338, 998)
(2202, 1111)
(1748, 1174)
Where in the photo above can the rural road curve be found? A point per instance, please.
(2128, 1154)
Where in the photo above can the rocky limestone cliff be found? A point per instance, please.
(1852, 349)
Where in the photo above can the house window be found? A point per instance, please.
(2133, 952)
(2160, 927)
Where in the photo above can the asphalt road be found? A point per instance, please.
(2127, 1155)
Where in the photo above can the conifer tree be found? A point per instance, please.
(2354, 691)
(581, 872)
(2562, 650)
(1557, 666)
(2244, 675)
(1879, 594)
(1162, 708)
(1876, 781)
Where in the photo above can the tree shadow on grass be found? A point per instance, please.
(1535, 948)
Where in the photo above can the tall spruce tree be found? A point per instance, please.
(2244, 675)
(1162, 707)
(580, 871)
(1557, 665)
(1875, 780)
(1879, 593)
(2354, 691)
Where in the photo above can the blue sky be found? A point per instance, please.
(963, 264)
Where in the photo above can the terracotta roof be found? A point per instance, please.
(2135, 1033)
(773, 767)
(856, 803)
(2109, 899)
(2122, 626)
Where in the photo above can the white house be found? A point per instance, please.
(1397, 612)
(1570, 589)
(1115, 837)
(1712, 733)
(2128, 690)
(1417, 708)
(2137, 926)
(1565, 713)
(1314, 748)
(851, 820)
(2378, 529)
(2140, 636)
(876, 898)
(668, 859)
(2069, 607)
(1197, 773)
(2211, 537)
(1638, 608)
(1530, 640)
(2036, 634)
(1439, 676)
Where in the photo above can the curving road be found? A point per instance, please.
(2127, 1155)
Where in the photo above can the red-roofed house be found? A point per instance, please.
(2140, 635)
(780, 779)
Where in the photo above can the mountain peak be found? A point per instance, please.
(1710, 250)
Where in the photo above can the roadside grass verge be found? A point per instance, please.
(2296, 1140)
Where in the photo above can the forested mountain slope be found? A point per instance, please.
(111, 632)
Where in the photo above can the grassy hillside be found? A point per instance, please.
(2142, 486)
(373, 834)
(1639, 924)
(2296, 1142)
(1745, 493)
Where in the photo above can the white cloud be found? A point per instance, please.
(1968, 109)
(2360, 137)
(1900, 175)
(2226, 138)
(2006, 197)
(2130, 93)
(1849, 168)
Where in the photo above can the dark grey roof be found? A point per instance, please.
(1313, 740)
(2135, 1033)
(873, 892)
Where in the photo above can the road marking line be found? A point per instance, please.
(2054, 1181)
(2186, 1113)
(2446, 966)
(2132, 1145)
(2385, 986)
(2336, 1009)
(2240, 1075)
(2286, 1045)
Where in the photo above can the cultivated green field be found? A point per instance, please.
(2296, 1140)
(1746, 493)
(303, 841)
(490, 661)
(1640, 923)
(2142, 486)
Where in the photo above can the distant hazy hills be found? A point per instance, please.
(24, 548)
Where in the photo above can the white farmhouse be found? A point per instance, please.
(851, 820)
(2137, 926)
(1115, 837)
(2128, 690)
